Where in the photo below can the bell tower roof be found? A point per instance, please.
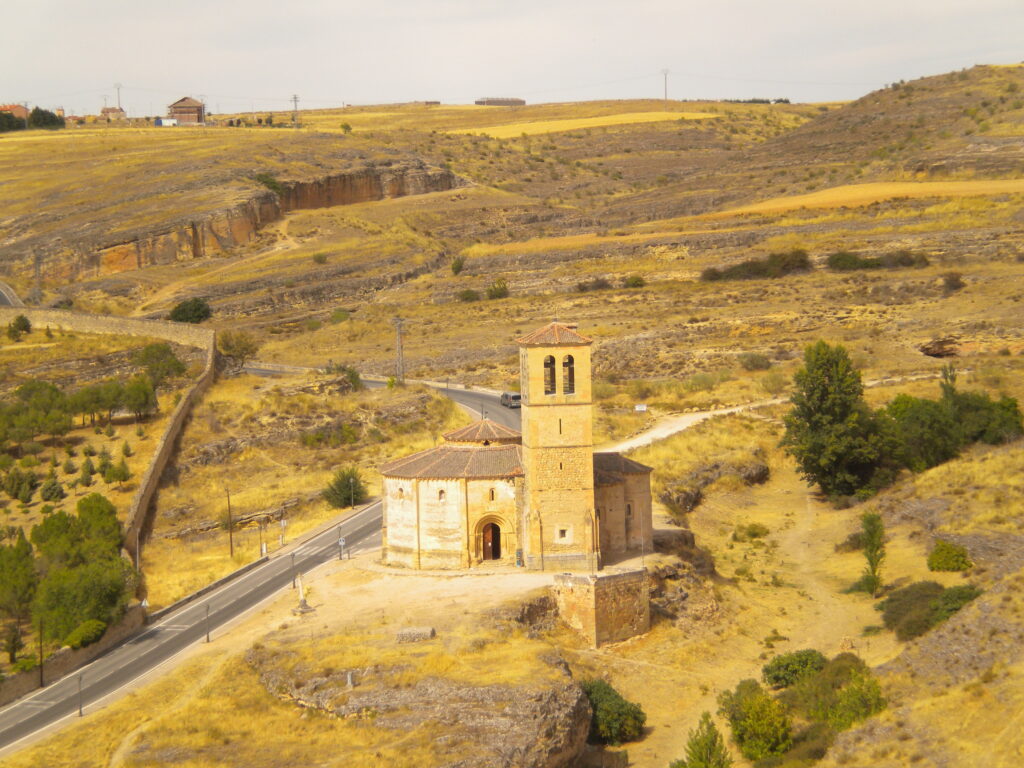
(555, 334)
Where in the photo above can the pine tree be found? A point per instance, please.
(346, 488)
(874, 551)
(705, 747)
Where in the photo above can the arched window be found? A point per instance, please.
(549, 375)
(492, 494)
(440, 495)
(568, 375)
(401, 493)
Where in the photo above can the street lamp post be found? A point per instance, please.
(79, 695)
(207, 622)
(293, 570)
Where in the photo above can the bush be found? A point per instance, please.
(952, 281)
(614, 719)
(947, 556)
(237, 344)
(635, 281)
(346, 488)
(597, 284)
(840, 693)
(915, 609)
(498, 289)
(457, 264)
(750, 532)
(844, 261)
(268, 181)
(21, 324)
(784, 670)
(925, 432)
(468, 294)
(774, 266)
(194, 310)
(760, 725)
(704, 747)
(752, 361)
(319, 258)
(86, 633)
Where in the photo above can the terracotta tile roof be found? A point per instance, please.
(188, 101)
(554, 333)
(484, 431)
(457, 461)
(619, 464)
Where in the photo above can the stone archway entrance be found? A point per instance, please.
(491, 542)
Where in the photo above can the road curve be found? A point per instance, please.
(163, 639)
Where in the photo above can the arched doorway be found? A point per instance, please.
(492, 542)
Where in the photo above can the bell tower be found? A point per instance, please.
(558, 452)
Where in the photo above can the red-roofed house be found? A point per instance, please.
(19, 111)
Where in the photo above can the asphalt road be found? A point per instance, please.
(165, 638)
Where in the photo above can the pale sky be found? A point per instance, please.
(257, 53)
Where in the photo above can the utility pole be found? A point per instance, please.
(79, 694)
(41, 683)
(664, 74)
(231, 532)
(25, 105)
(400, 357)
(295, 110)
(117, 87)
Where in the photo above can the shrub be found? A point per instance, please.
(784, 670)
(597, 284)
(952, 281)
(774, 266)
(704, 747)
(194, 310)
(468, 294)
(498, 289)
(925, 432)
(636, 281)
(457, 264)
(840, 693)
(915, 609)
(21, 324)
(319, 258)
(753, 361)
(346, 488)
(852, 543)
(952, 600)
(760, 725)
(86, 633)
(614, 719)
(947, 556)
(268, 181)
(750, 532)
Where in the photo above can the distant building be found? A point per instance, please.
(490, 101)
(187, 111)
(113, 113)
(19, 112)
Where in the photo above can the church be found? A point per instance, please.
(542, 499)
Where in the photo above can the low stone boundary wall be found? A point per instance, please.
(67, 660)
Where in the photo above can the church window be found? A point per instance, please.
(559, 465)
(492, 494)
(549, 375)
(563, 533)
(568, 375)
(559, 426)
(440, 495)
(629, 510)
(401, 493)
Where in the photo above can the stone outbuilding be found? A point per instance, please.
(542, 499)
(187, 111)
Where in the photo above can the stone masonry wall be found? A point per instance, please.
(604, 608)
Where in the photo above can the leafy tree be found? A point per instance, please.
(13, 333)
(117, 473)
(44, 118)
(925, 432)
(788, 668)
(346, 488)
(22, 324)
(237, 344)
(97, 590)
(51, 489)
(874, 551)
(614, 720)
(100, 525)
(110, 397)
(58, 540)
(9, 122)
(139, 397)
(760, 725)
(705, 747)
(18, 578)
(12, 642)
(834, 437)
(194, 310)
(159, 362)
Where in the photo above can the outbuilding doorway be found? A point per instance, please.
(492, 542)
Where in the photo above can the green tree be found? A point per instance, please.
(22, 324)
(925, 432)
(18, 578)
(159, 362)
(97, 590)
(12, 642)
(947, 556)
(705, 747)
(44, 118)
(194, 310)
(139, 397)
(237, 344)
(346, 488)
(836, 440)
(614, 720)
(788, 668)
(51, 489)
(760, 725)
(874, 551)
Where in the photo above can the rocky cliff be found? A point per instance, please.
(220, 231)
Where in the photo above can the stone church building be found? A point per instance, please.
(543, 499)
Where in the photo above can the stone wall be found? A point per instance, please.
(187, 334)
(604, 608)
(67, 660)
